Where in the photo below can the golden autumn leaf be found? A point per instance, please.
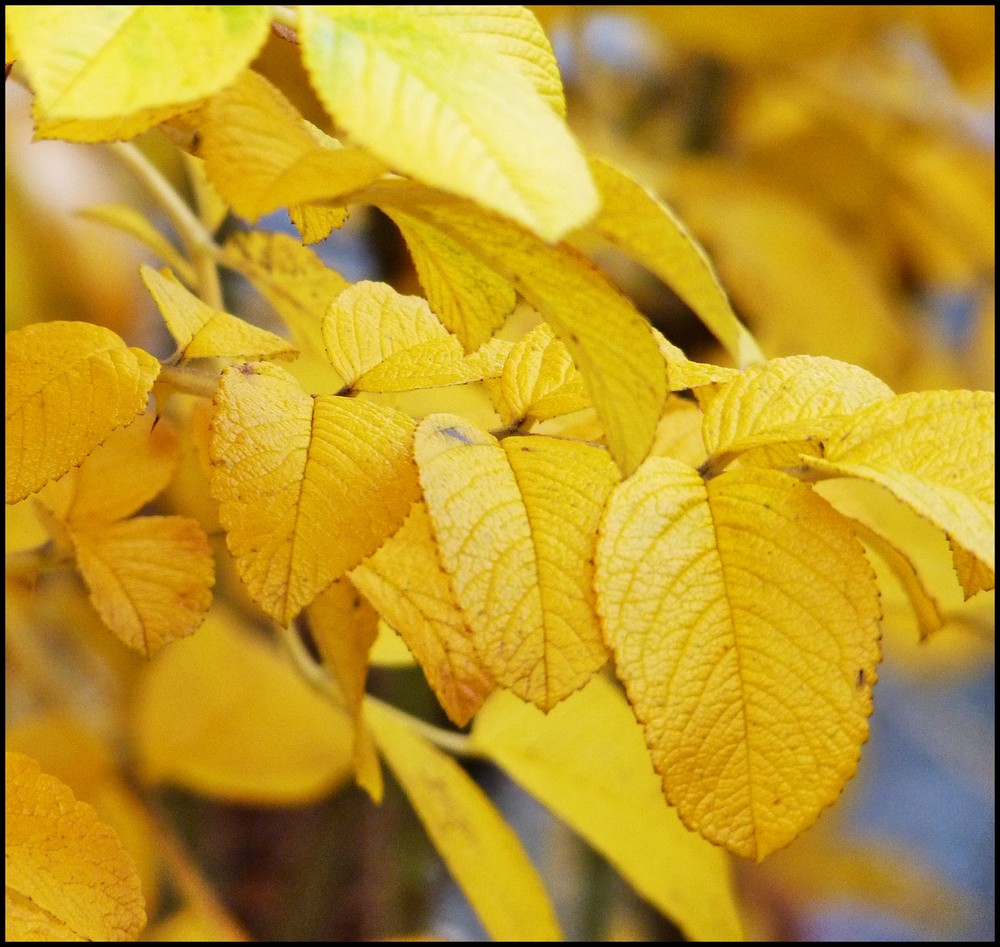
(480, 849)
(610, 342)
(261, 154)
(150, 578)
(642, 225)
(587, 763)
(91, 62)
(203, 332)
(307, 485)
(539, 379)
(406, 582)
(149, 454)
(935, 451)
(432, 97)
(516, 524)
(67, 386)
(679, 433)
(470, 298)
(743, 617)
(67, 875)
(316, 222)
(223, 713)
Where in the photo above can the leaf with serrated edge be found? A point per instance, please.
(308, 486)
(90, 62)
(516, 525)
(406, 582)
(68, 876)
(314, 222)
(639, 223)
(203, 332)
(587, 763)
(743, 616)
(68, 385)
(452, 113)
(785, 407)
(150, 578)
(935, 450)
(261, 154)
(481, 850)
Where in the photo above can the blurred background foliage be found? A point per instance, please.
(838, 164)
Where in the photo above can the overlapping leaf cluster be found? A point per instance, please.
(626, 503)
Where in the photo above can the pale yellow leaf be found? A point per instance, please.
(642, 225)
(480, 849)
(608, 339)
(406, 582)
(67, 386)
(203, 332)
(785, 408)
(935, 450)
(516, 524)
(150, 578)
(679, 433)
(431, 97)
(389, 649)
(587, 763)
(343, 626)
(539, 379)
(471, 299)
(434, 364)
(261, 154)
(973, 574)
(308, 486)
(104, 62)
(67, 874)
(743, 617)
(139, 460)
(224, 714)
(316, 222)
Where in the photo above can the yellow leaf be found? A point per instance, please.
(539, 379)
(434, 364)
(97, 130)
(67, 875)
(743, 617)
(785, 407)
(637, 222)
(609, 340)
(68, 385)
(471, 298)
(150, 578)
(935, 451)
(343, 625)
(93, 62)
(315, 223)
(224, 714)
(203, 332)
(974, 575)
(138, 460)
(389, 649)
(587, 763)
(516, 525)
(308, 486)
(406, 582)
(261, 154)
(292, 278)
(433, 98)
(679, 433)
(480, 849)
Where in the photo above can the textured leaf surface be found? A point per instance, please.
(150, 578)
(406, 582)
(308, 486)
(224, 714)
(586, 761)
(67, 386)
(650, 232)
(478, 846)
(68, 876)
(935, 450)
(609, 340)
(744, 620)
(203, 332)
(261, 154)
(516, 525)
(406, 83)
(96, 62)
